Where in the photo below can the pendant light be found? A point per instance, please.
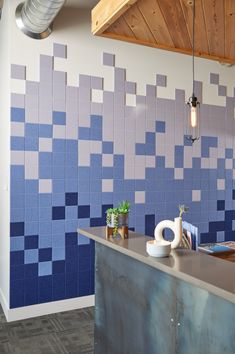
(193, 106)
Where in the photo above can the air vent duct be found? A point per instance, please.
(34, 17)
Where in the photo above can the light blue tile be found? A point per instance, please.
(45, 130)
(95, 185)
(58, 227)
(45, 158)
(31, 200)
(58, 253)
(45, 228)
(107, 198)
(83, 198)
(59, 158)
(58, 186)
(31, 214)
(71, 172)
(17, 214)
(58, 145)
(71, 212)
(45, 241)
(83, 240)
(18, 200)
(45, 200)
(83, 173)
(58, 171)
(58, 240)
(17, 173)
(71, 185)
(31, 186)
(58, 199)
(31, 130)
(71, 225)
(17, 243)
(72, 146)
(30, 256)
(45, 214)
(45, 171)
(45, 268)
(31, 228)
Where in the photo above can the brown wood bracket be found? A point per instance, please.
(122, 231)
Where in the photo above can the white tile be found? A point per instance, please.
(130, 100)
(213, 152)
(96, 147)
(71, 131)
(205, 162)
(107, 160)
(45, 186)
(179, 173)
(18, 86)
(17, 157)
(228, 164)
(139, 197)
(97, 96)
(107, 185)
(45, 144)
(196, 195)
(31, 171)
(58, 131)
(150, 125)
(17, 129)
(129, 170)
(188, 157)
(213, 162)
(84, 153)
(31, 158)
(150, 161)
(220, 184)
(119, 142)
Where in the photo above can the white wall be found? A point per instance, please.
(5, 35)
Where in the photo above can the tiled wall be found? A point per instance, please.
(75, 151)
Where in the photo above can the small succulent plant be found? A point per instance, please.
(183, 209)
(124, 207)
(112, 214)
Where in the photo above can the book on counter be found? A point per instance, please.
(227, 246)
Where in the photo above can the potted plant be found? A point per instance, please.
(118, 217)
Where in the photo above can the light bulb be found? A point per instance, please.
(193, 117)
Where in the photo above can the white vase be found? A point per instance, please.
(175, 226)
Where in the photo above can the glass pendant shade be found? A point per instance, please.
(193, 119)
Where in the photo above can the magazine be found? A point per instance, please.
(227, 246)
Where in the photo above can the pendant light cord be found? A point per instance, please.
(193, 42)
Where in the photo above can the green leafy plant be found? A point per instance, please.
(183, 209)
(124, 207)
(112, 214)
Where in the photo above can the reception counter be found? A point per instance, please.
(180, 304)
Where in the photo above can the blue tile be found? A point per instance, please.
(84, 133)
(31, 270)
(139, 149)
(45, 268)
(31, 144)
(58, 286)
(84, 173)
(45, 254)
(45, 200)
(58, 253)
(220, 204)
(179, 156)
(71, 185)
(83, 211)
(96, 134)
(17, 143)
(18, 186)
(31, 242)
(16, 229)
(71, 158)
(31, 200)
(58, 213)
(31, 228)
(31, 214)
(45, 289)
(71, 212)
(45, 130)
(16, 258)
(17, 272)
(45, 158)
(228, 153)
(31, 256)
(17, 114)
(96, 122)
(16, 294)
(58, 172)
(58, 145)
(31, 130)
(31, 186)
(58, 199)
(45, 172)
(45, 214)
(59, 118)
(58, 226)
(58, 158)
(58, 186)
(18, 200)
(31, 291)
(17, 172)
(107, 147)
(45, 241)
(71, 225)
(160, 126)
(71, 172)
(17, 243)
(71, 285)
(83, 240)
(58, 267)
(72, 146)
(84, 283)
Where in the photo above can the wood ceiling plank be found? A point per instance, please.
(153, 16)
(137, 23)
(174, 17)
(230, 28)
(106, 12)
(214, 17)
(120, 27)
(201, 42)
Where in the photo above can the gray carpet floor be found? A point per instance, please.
(70, 332)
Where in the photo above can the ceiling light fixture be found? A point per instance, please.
(193, 105)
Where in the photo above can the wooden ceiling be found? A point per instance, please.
(167, 24)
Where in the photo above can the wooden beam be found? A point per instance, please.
(106, 12)
(168, 48)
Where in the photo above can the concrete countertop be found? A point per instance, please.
(207, 272)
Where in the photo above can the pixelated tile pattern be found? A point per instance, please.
(76, 153)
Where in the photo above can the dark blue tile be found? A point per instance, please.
(220, 204)
(45, 289)
(84, 264)
(229, 215)
(31, 291)
(229, 236)
(17, 258)
(208, 237)
(58, 213)
(71, 239)
(107, 147)
(97, 222)
(17, 272)
(84, 283)
(71, 285)
(149, 225)
(17, 229)
(83, 211)
(58, 267)
(31, 270)
(58, 286)
(31, 242)
(71, 198)
(233, 193)
(84, 251)
(16, 294)
(160, 126)
(215, 226)
(45, 254)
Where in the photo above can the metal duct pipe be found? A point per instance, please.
(34, 17)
